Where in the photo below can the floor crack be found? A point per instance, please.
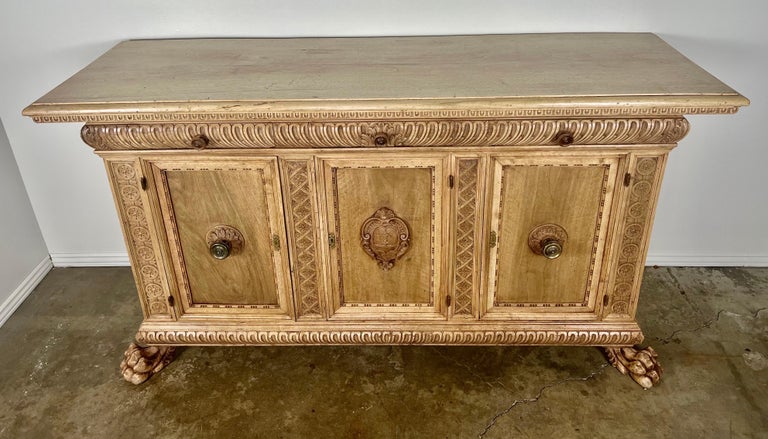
(707, 324)
(470, 370)
(538, 396)
(682, 291)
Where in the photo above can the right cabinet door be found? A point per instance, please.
(549, 218)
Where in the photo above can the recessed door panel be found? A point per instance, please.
(548, 225)
(224, 221)
(385, 236)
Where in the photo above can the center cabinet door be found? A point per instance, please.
(385, 235)
(224, 222)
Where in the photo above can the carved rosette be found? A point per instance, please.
(127, 190)
(636, 220)
(140, 363)
(385, 237)
(640, 364)
(466, 219)
(300, 202)
(335, 134)
(543, 233)
(224, 233)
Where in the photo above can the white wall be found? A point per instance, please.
(23, 256)
(713, 207)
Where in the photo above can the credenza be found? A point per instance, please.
(458, 190)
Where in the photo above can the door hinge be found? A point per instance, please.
(492, 242)
(170, 301)
(450, 181)
(276, 242)
(627, 178)
(448, 300)
(143, 183)
(331, 240)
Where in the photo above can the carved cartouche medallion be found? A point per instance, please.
(385, 237)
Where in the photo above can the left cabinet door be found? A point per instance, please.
(226, 235)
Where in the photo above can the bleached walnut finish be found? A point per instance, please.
(476, 190)
(140, 363)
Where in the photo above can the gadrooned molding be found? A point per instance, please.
(390, 337)
(489, 132)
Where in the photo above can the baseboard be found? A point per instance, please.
(24, 289)
(706, 261)
(112, 259)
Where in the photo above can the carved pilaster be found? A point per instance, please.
(127, 190)
(637, 218)
(302, 220)
(465, 277)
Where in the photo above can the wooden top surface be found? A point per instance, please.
(501, 72)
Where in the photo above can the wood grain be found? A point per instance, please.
(197, 197)
(356, 189)
(455, 136)
(529, 193)
(195, 77)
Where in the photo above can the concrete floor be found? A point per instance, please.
(61, 350)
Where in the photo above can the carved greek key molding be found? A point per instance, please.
(300, 199)
(466, 221)
(382, 134)
(636, 219)
(390, 337)
(148, 275)
(206, 116)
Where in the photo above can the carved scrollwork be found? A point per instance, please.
(640, 364)
(385, 237)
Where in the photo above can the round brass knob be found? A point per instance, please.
(221, 249)
(200, 141)
(547, 240)
(224, 241)
(564, 138)
(552, 249)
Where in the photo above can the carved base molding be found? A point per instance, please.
(424, 335)
(642, 365)
(140, 363)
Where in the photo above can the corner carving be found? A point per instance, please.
(385, 237)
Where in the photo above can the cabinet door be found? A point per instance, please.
(385, 230)
(548, 225)
(227, 237)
